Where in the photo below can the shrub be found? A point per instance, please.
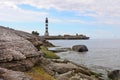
(35, 33)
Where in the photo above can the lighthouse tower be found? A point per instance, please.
(46, 27)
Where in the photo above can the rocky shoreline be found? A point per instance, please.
(67, 70)
(20, 52)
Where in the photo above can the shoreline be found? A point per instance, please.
(97, 69)
(22, 52)
(61, 69)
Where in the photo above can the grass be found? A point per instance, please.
(38, 73)
(49, 54)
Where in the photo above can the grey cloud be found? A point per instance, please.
(100, 9)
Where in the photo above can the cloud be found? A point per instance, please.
(16, 15)
(12, 13)
(99, 7)
(105, 11)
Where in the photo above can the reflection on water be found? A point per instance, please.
(105, 53)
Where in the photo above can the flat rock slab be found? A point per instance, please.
(65, 65)
(61, 68)
(6, 74)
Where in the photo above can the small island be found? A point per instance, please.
(67, 37)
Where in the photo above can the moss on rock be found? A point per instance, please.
(38, 73)
(49, 54)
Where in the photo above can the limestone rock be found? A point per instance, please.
(67, 70)
(14, 47)
(63, 67)
(71, 75)
(6, 74)
(80, 48)
(16, 51)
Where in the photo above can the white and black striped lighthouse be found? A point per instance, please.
(46, 27)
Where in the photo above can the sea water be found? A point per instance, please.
(102, 53)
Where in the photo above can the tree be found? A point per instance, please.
(35, 33)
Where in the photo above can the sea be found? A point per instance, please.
(102, 54)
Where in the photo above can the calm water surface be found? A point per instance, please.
(102, 53)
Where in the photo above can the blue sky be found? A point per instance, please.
(98, 19)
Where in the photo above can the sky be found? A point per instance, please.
(98, 19)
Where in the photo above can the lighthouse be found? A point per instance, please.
(46, 27)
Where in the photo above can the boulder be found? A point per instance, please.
(80, 48)
(114, 75)
(6, 74)
(16, 52)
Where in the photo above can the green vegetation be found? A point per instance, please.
(48, 44)
(38, 73)
(96, 74)
(49, 54)
(35, 33)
